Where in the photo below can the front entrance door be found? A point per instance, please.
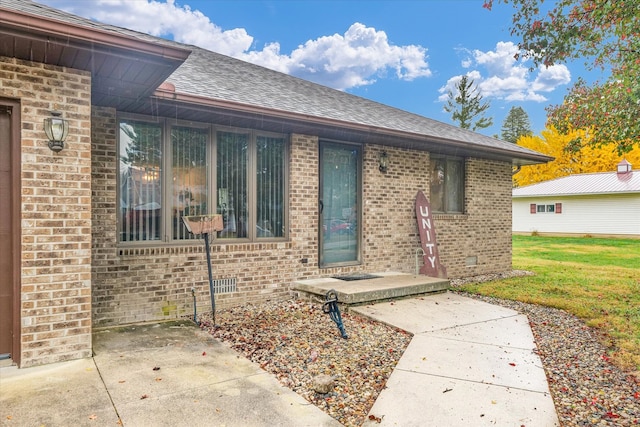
(6, 237)
(339, 203)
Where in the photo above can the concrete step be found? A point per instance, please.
(381, 287)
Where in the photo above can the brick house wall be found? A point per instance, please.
(388, 202)
(479, 242)
(154, 283)
(55, 273)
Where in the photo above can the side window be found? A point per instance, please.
(140, 180)
(188, 177)
(232, 185)
(447, 184)
(270, 186)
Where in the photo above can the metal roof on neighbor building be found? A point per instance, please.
(584, 184)
(215, 88)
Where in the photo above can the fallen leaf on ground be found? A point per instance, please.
(374, 418)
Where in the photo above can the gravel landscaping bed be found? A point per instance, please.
(295, 341)
(587, 389)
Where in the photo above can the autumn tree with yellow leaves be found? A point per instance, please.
(589, 158)
(606, 33)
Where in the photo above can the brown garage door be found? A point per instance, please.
(6, 238)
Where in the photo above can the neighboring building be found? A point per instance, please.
(92, 235)
(606, 203)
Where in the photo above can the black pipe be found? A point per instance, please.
(195, 316)
(211, 290)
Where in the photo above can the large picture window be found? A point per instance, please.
(166, 173)
(447, 184)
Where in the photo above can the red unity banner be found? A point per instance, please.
(427, 230)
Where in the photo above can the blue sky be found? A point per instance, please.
(406, 54)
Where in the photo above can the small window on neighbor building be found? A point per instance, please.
(555, 208)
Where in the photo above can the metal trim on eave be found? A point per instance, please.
(55, 28)
(170, 95)
(608, 193)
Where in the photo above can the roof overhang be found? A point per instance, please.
(124, 68)
(556, 195)
(128, 71)
(168, 103)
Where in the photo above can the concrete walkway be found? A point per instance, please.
(469, 364)
(155, 375)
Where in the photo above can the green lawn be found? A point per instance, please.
(596, 279)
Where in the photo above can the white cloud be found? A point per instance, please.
(354, 59)
(161, 19)
(551, 77)
(342, 61)
(505, 78)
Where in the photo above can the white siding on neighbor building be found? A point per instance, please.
(598, 214)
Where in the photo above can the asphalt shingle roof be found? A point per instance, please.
(246, 83)
(218, 77)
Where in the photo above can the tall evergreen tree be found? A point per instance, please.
(515, 125)
(467, 107)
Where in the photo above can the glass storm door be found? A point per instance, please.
(339, 203)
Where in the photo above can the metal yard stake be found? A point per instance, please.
(331, 308)
(205, 224)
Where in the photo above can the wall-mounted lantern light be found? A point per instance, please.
(382, 160)
(56, 129)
